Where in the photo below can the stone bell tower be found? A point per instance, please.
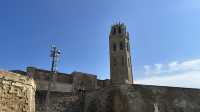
(120, 56)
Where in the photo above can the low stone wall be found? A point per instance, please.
(142, 98)
(17, 93)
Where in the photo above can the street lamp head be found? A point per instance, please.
(58, 51)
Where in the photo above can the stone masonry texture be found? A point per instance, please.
(59, 102)
(17, 93)
(120, 55)
(142, 98)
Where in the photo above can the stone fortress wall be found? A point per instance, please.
(66, 93)
(17, 93)
(66, 82)
(142, 98)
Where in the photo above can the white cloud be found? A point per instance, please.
(178, 74)
(172, 67)
(158, 68)
(190, 65)
(188, 79)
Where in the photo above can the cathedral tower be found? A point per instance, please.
(120, 56)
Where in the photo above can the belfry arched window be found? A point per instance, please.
(114, 47)
(114, 31)
(120, 30)
(114, 61)
(121, 45)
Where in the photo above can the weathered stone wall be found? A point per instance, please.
(59, 102)
(141, 98)
(103, 83)
(17, 93)
(84, 81)
(62, 83)
(66, 92)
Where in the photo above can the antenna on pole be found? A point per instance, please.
(55, 53)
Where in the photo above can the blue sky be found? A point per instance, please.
(161, 32)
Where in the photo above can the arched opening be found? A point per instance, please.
(114, 31)
(121, 45)
(114, 61)
(120, 30)
(114, 47)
